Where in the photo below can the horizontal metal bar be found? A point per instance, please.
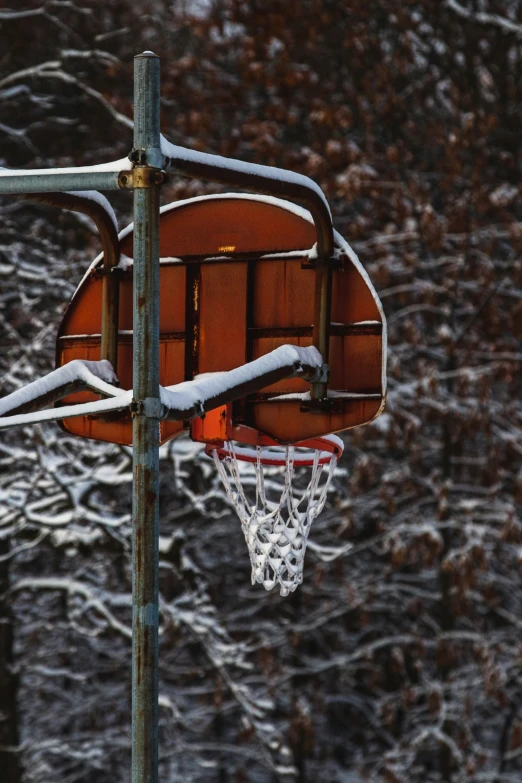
(263, 255)
(20, 184)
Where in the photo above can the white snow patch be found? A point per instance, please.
(383, 423)
(99, 198)
(184, 396)
(113, 166)
(124, 263)
(98, 375)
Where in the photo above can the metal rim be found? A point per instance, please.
(329, 447)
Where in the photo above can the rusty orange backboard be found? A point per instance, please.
(236, 281)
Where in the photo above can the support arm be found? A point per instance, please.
(76, 202)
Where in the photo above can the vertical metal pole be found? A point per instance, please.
(145, 425)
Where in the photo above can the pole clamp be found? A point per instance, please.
(150, 407)
(149, 156)
(322, 374)
(140, 177)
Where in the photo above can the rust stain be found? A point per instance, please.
(150, 492)
(146, 643)
(138, 664)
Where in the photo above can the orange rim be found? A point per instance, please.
(329, 447)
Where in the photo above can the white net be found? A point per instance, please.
(276, 531)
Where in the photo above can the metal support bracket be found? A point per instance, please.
(109, 271)
(313, 375)
(325, 405)
(199, 410)
(141, 177)
(336, 262)
(150, 407)
(322, 375)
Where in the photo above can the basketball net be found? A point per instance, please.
(276, 531)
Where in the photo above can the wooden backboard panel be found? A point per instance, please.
(223, 302)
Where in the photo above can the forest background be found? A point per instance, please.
(399, 658)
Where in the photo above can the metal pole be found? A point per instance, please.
(145, 426)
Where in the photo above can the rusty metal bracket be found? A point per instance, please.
(334, 263)
(324, 405)
(322, 374)
(141, 177)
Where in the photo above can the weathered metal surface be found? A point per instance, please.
(241, 303)
(340, 330)
(145, 499)
(19, 184)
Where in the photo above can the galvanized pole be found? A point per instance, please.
(146, 153)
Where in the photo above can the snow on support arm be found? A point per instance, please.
(113, 166)
(98, 376)
(260, 179)
(119, 403)
(194, 394)
(176, 153)
(181, 402)
(99, 198)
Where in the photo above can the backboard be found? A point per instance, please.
(237, 281)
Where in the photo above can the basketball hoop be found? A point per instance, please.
(276, 530)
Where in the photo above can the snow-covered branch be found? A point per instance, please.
(483, 18)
